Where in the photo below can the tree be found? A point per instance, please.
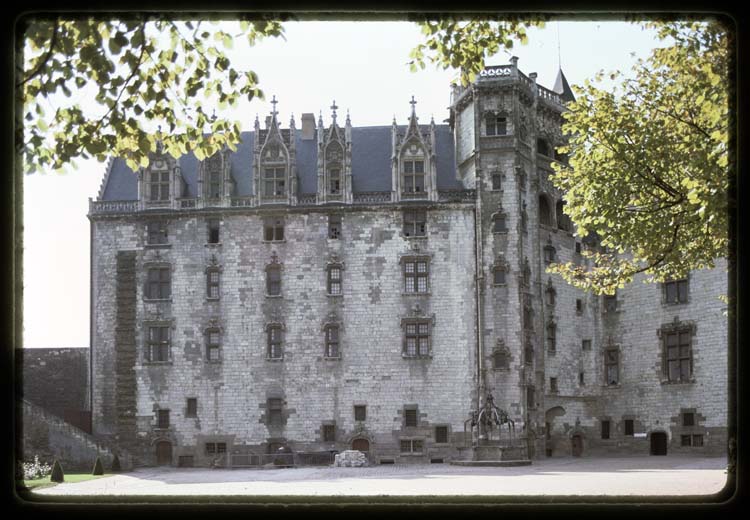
(141, 80)
(648, 169)
(649, 163)
(464, 44)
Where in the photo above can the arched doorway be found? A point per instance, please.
(362, 445)
(576, 445)
(164, 453)
(658, 443)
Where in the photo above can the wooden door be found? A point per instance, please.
(361, 445)
(576, 445)
(658, 443)
(164, 453)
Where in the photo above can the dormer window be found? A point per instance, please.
(214, 177)
(495, 125)
(158, 181)
(334, 158)
(334, 181)
(274, 181)
(413, 176)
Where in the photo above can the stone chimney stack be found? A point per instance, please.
(308, 126)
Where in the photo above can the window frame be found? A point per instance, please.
(332, 344)
(496, 181)
(212, 346)
(551, 337)
(681, 357)
(419, 279)
(160, 344)
(211, 284)
(411, 412)
(413, 188)
(680, 297)
(421, 332)
(191, 411)
(213, 230)
(276, 227)
(158, 289)
(334, 227)
(360, 417)
(328, 432)
(273, 280)
(497, 123)
(274, 177)
(274, 344)
(628, 427)
(162, 419)
(158, 187)
(611, 363)
(415, 446)
(162, 233)
(414, 223)
(446, 437)
(274, 411)
(499, 223)
(332, 283)
(606, 429)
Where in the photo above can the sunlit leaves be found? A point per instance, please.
(648, 163)
(142, 75)
(465, 44)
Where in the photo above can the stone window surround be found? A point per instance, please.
(415, 259)
(676, 282)
(191, 413)
(413, 216)
(500, 349)
(327, 327)
(274, 265)
(157, 322)
(417, 318)
(416, 446)
(274, 223)
(447, 434)
(495, 218)
(213, 268)
(551, 330)
(335, 220)
(360, 412)
(162, 417)
(211, 225)
(499, 177)
(207, 331)
(616, 362)
(163, 229)
(611, 303)
(330, 266)
(156, 264)
(328, 431)
(676, 326)
(410, 408)
(500, 265)
(499, 121)
(280, 327)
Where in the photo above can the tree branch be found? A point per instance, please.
(43, 62)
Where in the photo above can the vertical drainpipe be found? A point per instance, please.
(91, 321)
(478, 237)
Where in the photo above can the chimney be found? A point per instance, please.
(308, 126)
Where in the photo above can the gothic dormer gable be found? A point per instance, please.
(414, 165)
(214, 177)
(161, 181)
(334, 161)
(274, 161)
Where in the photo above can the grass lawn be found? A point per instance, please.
(69, 477)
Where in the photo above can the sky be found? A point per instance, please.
(362, 66)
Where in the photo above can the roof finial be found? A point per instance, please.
(559, 61)
(273, 102)
(347, 117)
(333, 110)
(413, 104)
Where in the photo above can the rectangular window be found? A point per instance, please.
(629, 427)
(221, 447)
(360, 413)
(213, 345)
(156, 233)
(605, 429)
(273, 229)
(274, 406)
(212, 284)
(214, 184)
(416, 273)
(157, 349)
(612, 366)
(274, 182)
(698, 440)
(213, 231)
(579, 306)
(581, 378)
(273, 280)
(553, 385)
(417, 339)
(499, 276)
(528, 353)
(163, 419)
(585, 344)
(159, 185)
(676, 291)
(210, 448)
(530, 398)
(413, 176)
(610, 302)
(552, 337)
(334, 227)
(192, 407)
(679, 362)
(415, 223)
(329, 433)
(685, 440)
(688, 419)
(334, 280)
(158, 283)
(334, 180)
(549, 254)
(497, 180)
(498, 224)
(578, 247)
(441, 434)
(411, 446)
(410, 417)
(332, 341)
(274, 342)
(495, 125)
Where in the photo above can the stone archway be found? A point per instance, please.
(163, 453)
(361, 444)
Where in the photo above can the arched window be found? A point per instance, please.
(545, 212)
(334, 167)
(499, 223)
(274, 167)
(413, 171)
(563, 221)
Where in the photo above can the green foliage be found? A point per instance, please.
(649, 163)
(465, 44)
(57, 472)
(116, 464)
(98, 468)
(140, 74)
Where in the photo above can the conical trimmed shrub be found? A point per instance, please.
(116, 464)
(98, 468)
(57, 473)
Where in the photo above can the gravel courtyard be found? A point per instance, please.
(632, 476)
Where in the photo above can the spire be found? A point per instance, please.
(320, 120)
(273, 102)
(561, 87)
(348, 121)
(413, 119)
(333, 111)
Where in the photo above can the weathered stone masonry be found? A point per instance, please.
(248, 371)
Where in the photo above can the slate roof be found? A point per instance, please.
(562, 87)
(371, 164)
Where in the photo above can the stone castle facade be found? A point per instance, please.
(334, 287)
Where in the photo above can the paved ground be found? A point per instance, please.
(671, 475)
